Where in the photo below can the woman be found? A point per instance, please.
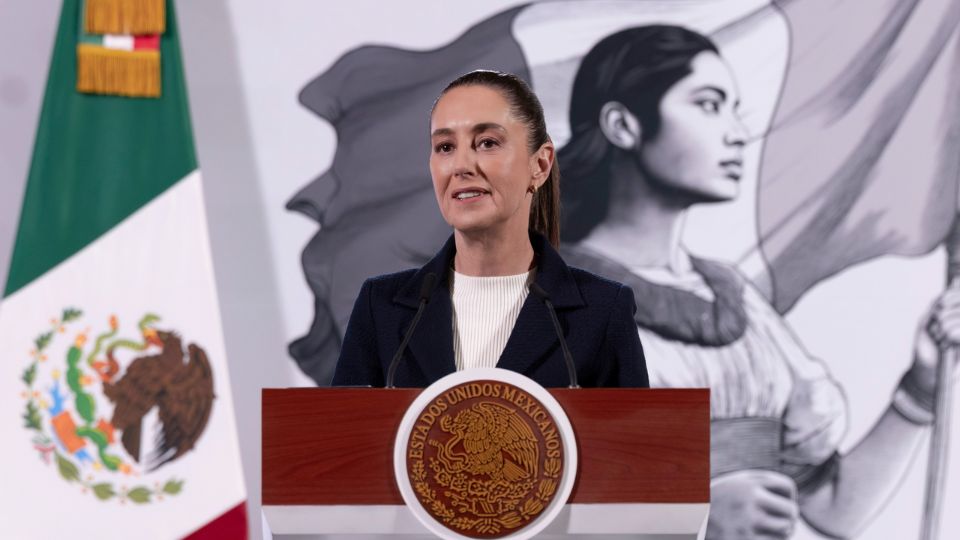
(493, 171)
(654, 131)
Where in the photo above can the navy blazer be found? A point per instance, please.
(596, 315)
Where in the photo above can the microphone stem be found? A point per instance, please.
(426, 287)
(392, 371)
(567, 357)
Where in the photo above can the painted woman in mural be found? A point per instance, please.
(655, 130)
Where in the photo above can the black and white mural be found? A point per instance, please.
(754, 170)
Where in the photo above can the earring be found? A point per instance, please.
(532, 189)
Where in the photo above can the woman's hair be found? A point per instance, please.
(524, 106)
(635, 67)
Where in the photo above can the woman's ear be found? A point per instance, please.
(541, 162)
(619, 125)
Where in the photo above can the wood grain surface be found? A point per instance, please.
(335, 445)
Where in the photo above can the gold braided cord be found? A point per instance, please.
(136, 17)
(116, 72)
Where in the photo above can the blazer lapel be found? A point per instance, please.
(432, 342)
(533, 335)
(431, 345)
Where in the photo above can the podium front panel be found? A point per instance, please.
(327, 452)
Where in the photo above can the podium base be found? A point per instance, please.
(638, 521)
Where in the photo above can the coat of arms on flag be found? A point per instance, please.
(89, 393)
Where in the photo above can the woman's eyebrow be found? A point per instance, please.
(488, 126)
(477, 128)
(707, 87)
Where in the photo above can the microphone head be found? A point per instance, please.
(426, 286)
(538, 290)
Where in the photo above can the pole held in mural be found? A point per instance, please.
(942, 407)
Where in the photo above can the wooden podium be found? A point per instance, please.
(644, 468)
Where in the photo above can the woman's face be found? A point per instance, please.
(698, 151)
(480, 162)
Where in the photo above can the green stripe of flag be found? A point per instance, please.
(97, 159)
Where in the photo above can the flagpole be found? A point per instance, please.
(942, 407)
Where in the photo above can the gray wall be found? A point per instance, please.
(249, 307)
(26, 39)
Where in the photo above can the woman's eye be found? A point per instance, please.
(488, 143)
(443, 148)
(709, 105)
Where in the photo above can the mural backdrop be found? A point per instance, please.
(835, 130)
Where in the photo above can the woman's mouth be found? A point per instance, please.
(467, 195)
(732, 168)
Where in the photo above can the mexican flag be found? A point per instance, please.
(115, 403)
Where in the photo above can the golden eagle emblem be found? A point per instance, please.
(485, 458)
(492, 441)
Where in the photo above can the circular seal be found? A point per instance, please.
(485, 453)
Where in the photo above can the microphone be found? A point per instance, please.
(568, 358)
(426, 287)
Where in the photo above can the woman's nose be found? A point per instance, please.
(464, 162)
(736, 133)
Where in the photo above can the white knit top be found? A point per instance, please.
(485, 309)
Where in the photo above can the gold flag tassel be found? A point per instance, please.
(135, 17)
(117, 72)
